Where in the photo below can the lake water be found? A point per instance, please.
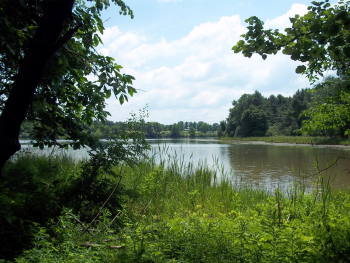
(259, 164)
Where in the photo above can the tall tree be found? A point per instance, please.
(47, 50)
(254, 123)
(192, 132)
(320, 40)
(204, 127)
(330, 108)
(239, 107)
(175, 130)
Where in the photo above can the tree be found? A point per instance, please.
(47, 50)
(198, 125)
(192, 132)
(223, 125)
(239, 107)
(181, 125)
(204, 127)
(186, 125)
(330, 110)
(300, 102)
(175, 131)
(254, 123)
(320, 40)
(219, 132)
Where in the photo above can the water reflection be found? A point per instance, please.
(265, 165)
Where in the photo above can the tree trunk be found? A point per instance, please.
(45, 43)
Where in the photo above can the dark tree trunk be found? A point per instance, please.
(46, 42)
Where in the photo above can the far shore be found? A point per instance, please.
(291, 140)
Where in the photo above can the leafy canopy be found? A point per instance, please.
(67, 100)
(321, 38)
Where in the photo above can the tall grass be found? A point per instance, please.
(195, 213)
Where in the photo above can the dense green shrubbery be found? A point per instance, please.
(191, 214)
(36, 189)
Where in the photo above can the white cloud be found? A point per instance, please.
(207, 77)
(283, 21)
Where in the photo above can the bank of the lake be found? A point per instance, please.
(291, 140)
(180, 213)
(260, 164)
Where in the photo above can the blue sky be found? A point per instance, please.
(180, 53)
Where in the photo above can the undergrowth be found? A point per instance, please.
(186, 213)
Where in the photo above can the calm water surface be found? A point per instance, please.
(268, 165)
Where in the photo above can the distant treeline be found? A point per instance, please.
(254, 115)
(151, 129)
(251, 115)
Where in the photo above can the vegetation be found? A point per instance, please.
(293, 139)
(173, 212)
(255, 115)
(118, 205)
(109, 129)
(321, 111)
(47, 50)
(320, 40)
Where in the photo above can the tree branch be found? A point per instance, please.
(67, 36)
(109, 197)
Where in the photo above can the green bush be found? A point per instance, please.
(190, 214)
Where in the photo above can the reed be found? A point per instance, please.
(190, 212)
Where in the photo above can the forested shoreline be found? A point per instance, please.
(252, 115)
(122, 205)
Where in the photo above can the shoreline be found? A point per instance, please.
(264, 141)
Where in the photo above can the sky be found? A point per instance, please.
(180, 53)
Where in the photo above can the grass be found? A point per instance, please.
(293, 139)
(196, 214)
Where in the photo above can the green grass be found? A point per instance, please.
(196, 214)
(293, 139)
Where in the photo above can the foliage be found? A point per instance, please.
(196, 214)
(205, 127)
(320, 40)
(153, 129)
(312, 140)
(66, 101)
(254, 123)
(330, 109)
(35, 189)
(282, 113)
(192, 132)
(175, 131)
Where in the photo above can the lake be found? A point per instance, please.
(258, 164)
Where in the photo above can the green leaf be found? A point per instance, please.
(295, 55)
(264, 56)
(346, 51)
(300, 69)
(333, 30)
(121, 99)
(131, 91)
(108, 94)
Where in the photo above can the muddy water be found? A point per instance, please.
(267, 165)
